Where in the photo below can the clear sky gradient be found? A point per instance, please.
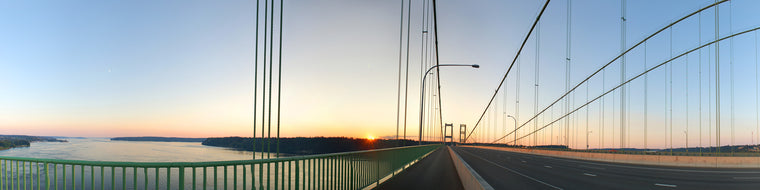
(185, 68)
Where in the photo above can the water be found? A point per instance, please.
(103, 149)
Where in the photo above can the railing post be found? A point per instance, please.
(155, 170)
(244, 177)
(47, 177)
(181, 178)
(234, 177)
(134, 177)
(168, 178)
(297, 163)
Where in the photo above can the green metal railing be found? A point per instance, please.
(349, 170)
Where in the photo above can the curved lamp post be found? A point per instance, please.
(515, 141)
(422, 89)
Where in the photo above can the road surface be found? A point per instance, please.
(436, 171)
(510, 170)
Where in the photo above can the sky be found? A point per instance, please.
(185, 68)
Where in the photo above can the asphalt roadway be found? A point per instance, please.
(436, 171)
(510, 170)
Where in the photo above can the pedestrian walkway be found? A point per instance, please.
(436, 171)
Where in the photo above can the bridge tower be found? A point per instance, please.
(448, 134)
(462, 132)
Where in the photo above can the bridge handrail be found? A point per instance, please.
(195, 164)
(345, 170)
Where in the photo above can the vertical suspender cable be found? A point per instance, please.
(406, 84)
(437, 69)
(646, 97)
(279, 81)
(264, 83)
(700, 84)
(504, 116)
(510, 66)
(567, 70)
(423, 45)
(255, 78)
(622, 74)
(670, 94)
(717, 80)
(757, 96)
(271, 56)
(731, 64)
(536, 75)
(517, 98)
(398, 86)
(709, 102)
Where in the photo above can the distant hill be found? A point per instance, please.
(735, 148)
(30, 138)
(158, 139)
(307, 145)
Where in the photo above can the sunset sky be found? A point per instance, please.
(185, 68)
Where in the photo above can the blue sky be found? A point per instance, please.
(184, 68)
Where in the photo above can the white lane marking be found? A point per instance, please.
(547, 166)
(523, 161)
(592, 167)
(588, 174)
(665, 185)
(746, 177)
(513, 171)
(658, 169)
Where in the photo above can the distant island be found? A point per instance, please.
(306, 145)
(31, 138)
(159, 139)
(13, 141)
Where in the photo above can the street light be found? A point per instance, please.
(513, 118)
(422, 89)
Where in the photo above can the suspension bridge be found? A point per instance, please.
(678, 107)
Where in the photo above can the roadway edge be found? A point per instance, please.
(471, 180)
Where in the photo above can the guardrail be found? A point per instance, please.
(348, 170)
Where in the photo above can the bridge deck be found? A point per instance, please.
(436, 171)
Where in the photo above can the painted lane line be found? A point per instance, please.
(547, 166)
(745, 178)
(588, 174)
(665, 185)
(656, 169)
(592, 167)
(523, 161)
(513, 171)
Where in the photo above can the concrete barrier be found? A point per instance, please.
(659, 160)
(470, 179)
